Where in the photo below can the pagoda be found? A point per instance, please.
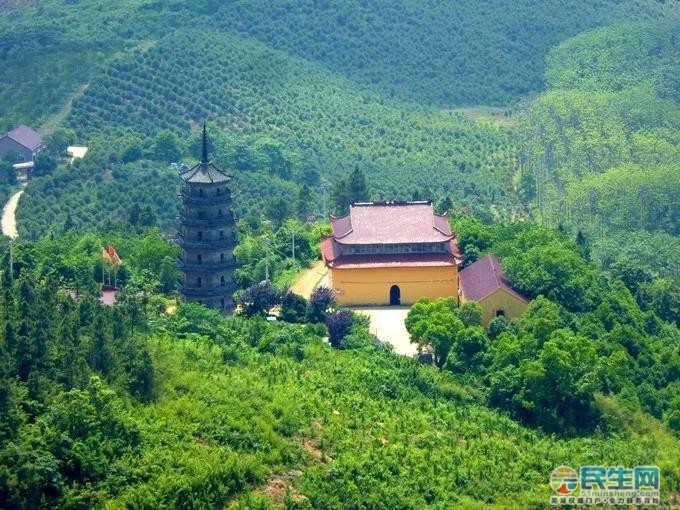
(207, 235)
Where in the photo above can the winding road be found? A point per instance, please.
(9, 223)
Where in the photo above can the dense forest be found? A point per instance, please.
(131, 406)
(550, 133)
(601, 146)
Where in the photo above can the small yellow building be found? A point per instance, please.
(485, 283)
(391, 253)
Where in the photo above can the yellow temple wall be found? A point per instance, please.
(500, 300)
(371, 286)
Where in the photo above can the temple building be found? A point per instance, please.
(391, 253)
(207, 235)
(485, 283)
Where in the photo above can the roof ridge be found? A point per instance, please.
(434, 224)
(499, 283)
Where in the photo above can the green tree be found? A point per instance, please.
(433, 325)
(305, 203)
(340, 197)
(45, 163)
(166, 147)
(58, 141)
(7, 173)
(357, 189)
(471, 314)
(468, 350)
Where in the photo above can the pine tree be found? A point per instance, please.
(304, 202)
(340, 197)
(357, 189)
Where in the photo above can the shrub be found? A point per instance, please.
(259, 298)
(320, 303)
(339, 325)
(293, 308)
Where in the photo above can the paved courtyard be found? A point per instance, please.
(387, 323)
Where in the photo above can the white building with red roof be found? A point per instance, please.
(391, 253)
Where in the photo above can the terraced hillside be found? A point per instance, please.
(450, 53)
(252, 91)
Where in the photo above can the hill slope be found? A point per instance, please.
(450, 52)
(601, 146)
(441, 52)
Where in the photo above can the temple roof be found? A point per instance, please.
(204, 172)
(483, 278)
(26, 136)
(331, 252)
(391, 223)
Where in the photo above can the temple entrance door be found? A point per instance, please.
(395, 295)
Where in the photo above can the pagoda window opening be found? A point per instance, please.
(200, 235)
(222, 303)
(500, 313)
(199, 282)
(199, 258)
(221, 234)
(219, 191)
(219, 213)
(200, 192)
(221, 257)
(223, 282)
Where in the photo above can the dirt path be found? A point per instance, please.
(305, 285)
(9, 222)
(57, 119)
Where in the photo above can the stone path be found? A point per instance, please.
(387, 323)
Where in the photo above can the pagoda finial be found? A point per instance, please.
(204, 158)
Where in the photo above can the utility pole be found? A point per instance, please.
(11, 261)
(292, 235)
(324, 191)
(266, 260)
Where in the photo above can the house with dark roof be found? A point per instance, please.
(391, 253)
(485, 283)
(24, 141)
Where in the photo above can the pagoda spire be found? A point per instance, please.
(204, 156)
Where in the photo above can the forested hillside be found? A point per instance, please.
(291, 88)
(450, 52)
(601, 147)
(137, 406)
(548, 131)
(321, 120)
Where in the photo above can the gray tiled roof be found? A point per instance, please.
(26, 136)
(206, 173)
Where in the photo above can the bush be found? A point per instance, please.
(320, 303)
(293, 308)
(339, 325)
(258, 299)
